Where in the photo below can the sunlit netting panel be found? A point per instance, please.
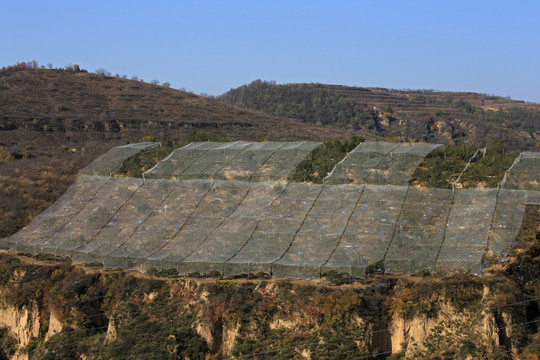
(466, 237)
(360, 162)
(173, 165)
(369, 230)
(213, 160)
(524, 174)
(284, 160)
(84, 226)
(122, 225)
(166, 221)
(399, 164)
(320, 232)
(420, 231)
(58, 214)
(216, 206)
(249, 160)
(275, 230)
(507, 219)
(113, 159)
(229, 238)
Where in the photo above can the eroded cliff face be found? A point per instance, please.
(88, 314)
(22, 325)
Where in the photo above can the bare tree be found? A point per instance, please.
(166, 84)
(102, 71)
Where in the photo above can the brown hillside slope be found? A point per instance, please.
(54, 122)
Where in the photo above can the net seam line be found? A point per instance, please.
(86, 204)
(466, 167)
(110, 254)
(203, 152)
(297, 231)
(182, 227)
(436, 264)
(452, 203)
(109, 220)
(380, 162)
(356, 205)
(259, 221)
(176, 187)
(396, 224)
(213, 176)
(77, 213)
(339, 163)
(345, 227)
(267, 210)
(215, 228)
(268, 159)
(466, 261)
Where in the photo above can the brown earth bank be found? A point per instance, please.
(60, 311)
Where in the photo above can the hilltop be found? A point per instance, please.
(403, 115)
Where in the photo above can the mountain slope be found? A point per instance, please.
(419, 115)
(54, 122)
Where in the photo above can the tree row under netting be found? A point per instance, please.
(241, 226)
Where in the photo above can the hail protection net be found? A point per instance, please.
(93, 217)
(164, 223)
(320, 232)
(360, 163)
(284, 160)
(54, 218)
(523, 175)
(380, 163)
(507, 218)
(245, 161)
(275, 230)
(107, 163)
(369, 230)
(226, 207)
(466, 236)
(420, 231)
(219, 202)
(248, 161)
(173, 165)
(399, 164)
(125, 221)
(233, 233)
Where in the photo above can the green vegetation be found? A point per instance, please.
(444, 165)
(323, 159)
(311, 104)
(158, 317)
(451, 117)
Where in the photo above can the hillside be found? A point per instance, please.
(418, 115)
(54, 122)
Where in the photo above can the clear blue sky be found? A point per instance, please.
(211, 46)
